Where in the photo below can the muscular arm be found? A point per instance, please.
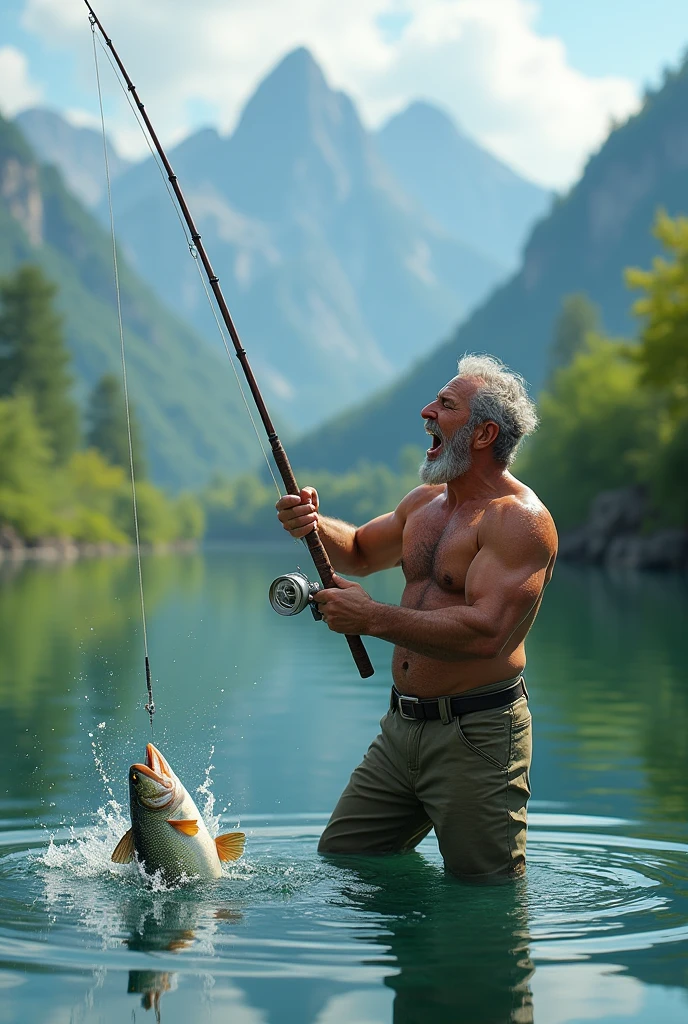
(357, 551)
(503, 585)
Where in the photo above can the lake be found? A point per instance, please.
(267, 716)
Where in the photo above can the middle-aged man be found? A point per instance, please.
(477, 549)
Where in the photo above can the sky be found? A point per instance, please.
(537, 82)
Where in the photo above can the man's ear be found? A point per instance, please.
(485, 434)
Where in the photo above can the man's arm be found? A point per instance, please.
(503, 584)
(357, 551)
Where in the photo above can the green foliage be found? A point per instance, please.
(43, 491)
(245, 507)
(190, 517)
(107, 425)
(576, 319)
(24, 469)
(33, 356)
(663, 308)
(190, 411)
(94, 494)
(662, 359)
(594, 424)
(666, 471)
(618, 414)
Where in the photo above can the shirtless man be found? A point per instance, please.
(477, 549)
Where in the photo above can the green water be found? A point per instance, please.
(598, 930)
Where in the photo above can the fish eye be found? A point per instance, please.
(134, 777)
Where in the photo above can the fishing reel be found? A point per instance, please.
(291, 593)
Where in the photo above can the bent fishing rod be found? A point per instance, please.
(315, 545)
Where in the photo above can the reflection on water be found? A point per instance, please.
(455, 949)
(598, 930)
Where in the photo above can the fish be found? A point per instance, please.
(168, 835)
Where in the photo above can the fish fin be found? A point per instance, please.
(230, 846)
(188, 826)
(123, 853)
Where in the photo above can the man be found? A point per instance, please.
(477, 549)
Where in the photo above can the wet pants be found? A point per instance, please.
(467, 778)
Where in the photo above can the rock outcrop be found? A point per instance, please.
(614, 536)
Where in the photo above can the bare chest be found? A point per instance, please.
(439, 547)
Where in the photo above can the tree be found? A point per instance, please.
(663, 309)
(595, 425)
(26, 494)
(577, 318)
(33, 357)
(107, 425)
(662, 359)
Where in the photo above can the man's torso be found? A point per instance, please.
(438, 547)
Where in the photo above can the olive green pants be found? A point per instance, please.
(467, 778)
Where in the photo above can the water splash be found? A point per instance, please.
(207, 798)
(87, 852)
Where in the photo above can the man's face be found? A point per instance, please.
(446, 419)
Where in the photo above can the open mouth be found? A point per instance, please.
(434, 449)
(156, 767)
(155, 782)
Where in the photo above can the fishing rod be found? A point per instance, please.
(313, 541)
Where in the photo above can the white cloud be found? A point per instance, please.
(509, 86)
(17, 90)
(481, 59)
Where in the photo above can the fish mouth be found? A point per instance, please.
(157, 763)
(160, 790)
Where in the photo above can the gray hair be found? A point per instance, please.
(501, 397)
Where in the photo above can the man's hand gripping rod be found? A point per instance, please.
(315, 545)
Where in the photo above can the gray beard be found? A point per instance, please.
(455, 460)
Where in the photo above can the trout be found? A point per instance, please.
(168, 834)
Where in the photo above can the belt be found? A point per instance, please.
(446, 708)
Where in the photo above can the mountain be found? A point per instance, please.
(336, 278)
(602, 226)
(191, 417)
(471, 193)
(77, 152)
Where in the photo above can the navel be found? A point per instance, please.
(448, 580)
(405, 665)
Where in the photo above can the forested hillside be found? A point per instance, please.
(191, 417)
(601, 227)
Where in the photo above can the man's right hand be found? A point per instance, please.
(298, 514)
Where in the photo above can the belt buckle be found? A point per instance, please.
(407, 700)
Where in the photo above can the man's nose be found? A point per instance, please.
(428, 413)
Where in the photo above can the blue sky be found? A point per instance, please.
(536, 82)
(629, 38)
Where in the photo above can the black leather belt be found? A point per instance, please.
(446, 708)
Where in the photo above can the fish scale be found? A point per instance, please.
(160, 847)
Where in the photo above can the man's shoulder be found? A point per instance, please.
(419, 497)
(519, 517)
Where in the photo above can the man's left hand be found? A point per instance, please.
(346, 608)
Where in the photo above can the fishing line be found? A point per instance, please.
(194, 253)
(314, 543)
(150, 706)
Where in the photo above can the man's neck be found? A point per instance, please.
(485, 479)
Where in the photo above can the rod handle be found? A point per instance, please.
(324, 567)
(319, 554)
(360, 656)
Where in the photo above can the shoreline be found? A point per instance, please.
(62, 550)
